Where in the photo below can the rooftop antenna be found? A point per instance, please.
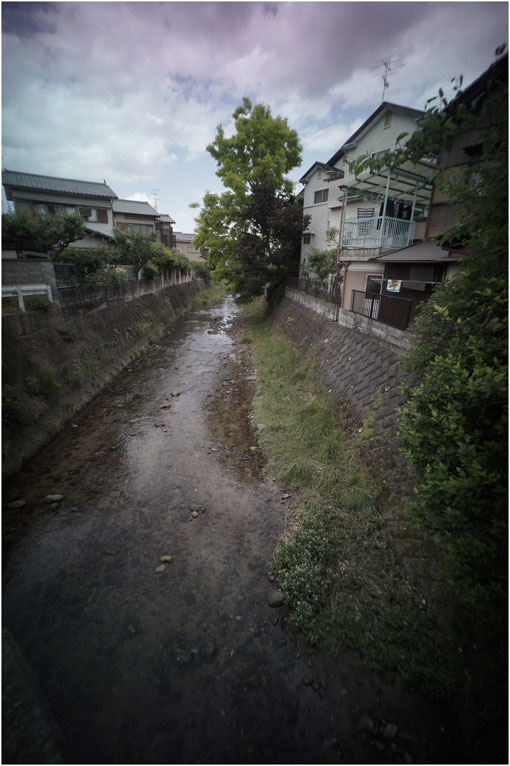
(155, 195)
(389, 67)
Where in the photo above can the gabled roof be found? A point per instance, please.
(386, 106)
(11, 179)
(327, 168)
(134, 207)
(166, 219)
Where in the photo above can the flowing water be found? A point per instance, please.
(138, 660)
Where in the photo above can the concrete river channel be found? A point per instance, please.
(136, 569)
(133, 656)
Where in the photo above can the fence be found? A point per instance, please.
(390, 310)
(328, 291)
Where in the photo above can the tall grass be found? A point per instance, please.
(344, 584)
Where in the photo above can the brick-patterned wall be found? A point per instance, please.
(354, 366)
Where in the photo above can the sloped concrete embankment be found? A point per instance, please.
(363, 375)
(357, 368)
(53, 365)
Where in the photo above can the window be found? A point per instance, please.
(380, 152)
(364, 227)
(307, 238)
(142, 227)
(94, 215)
(387, 120)
(44, 209)
(320, 196)
(373, 284)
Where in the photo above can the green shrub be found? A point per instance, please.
(150, 270)
(44, 383)
(300, 561)
(69, 333)
(14, 408)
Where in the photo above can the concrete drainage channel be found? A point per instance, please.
(142, 599)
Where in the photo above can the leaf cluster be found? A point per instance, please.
(43, 234)
(453, 428)
(251, 229)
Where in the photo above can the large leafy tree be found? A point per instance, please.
(43, 234)
(454, 426)
(244, 228)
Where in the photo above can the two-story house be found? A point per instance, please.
(410, 273)
(47, 195)
(325, 183)
(164, 230)
(133, 215)
(184, 244)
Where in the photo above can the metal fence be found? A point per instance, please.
(390, 310)
(328, 291)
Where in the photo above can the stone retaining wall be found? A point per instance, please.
(80, 356)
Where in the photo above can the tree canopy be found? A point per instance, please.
(43, 234)
(253, 229)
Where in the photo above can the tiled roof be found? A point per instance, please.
(180, 237)
(135, 207)
(166, 219)
(52, 184)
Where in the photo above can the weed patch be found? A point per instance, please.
(344, 583)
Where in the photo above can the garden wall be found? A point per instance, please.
(52, 369)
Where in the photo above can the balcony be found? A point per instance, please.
(377, 232)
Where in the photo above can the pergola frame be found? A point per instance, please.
(411, 183)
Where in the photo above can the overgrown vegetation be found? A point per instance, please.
(323, 263)
(454, 427)
(341, 575)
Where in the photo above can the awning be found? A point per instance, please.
(407, 183)
(423, 252)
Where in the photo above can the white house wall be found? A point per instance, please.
(320, 213)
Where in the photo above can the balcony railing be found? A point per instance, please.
(388, 309)
(377, 232)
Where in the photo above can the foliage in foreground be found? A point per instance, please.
(454, 426)
(336, 563)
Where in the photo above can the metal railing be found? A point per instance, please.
(388, 309)
(377, 232)
(328, 291)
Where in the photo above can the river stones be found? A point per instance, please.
(275, 598)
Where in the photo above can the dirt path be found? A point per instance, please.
(139, 659)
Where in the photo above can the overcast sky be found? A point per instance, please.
(133, 92)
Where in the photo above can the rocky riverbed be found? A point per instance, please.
(138, 588)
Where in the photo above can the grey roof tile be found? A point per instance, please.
(53, 184)
(136, 207)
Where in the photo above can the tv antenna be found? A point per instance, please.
(155, 195)
(389, 67)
